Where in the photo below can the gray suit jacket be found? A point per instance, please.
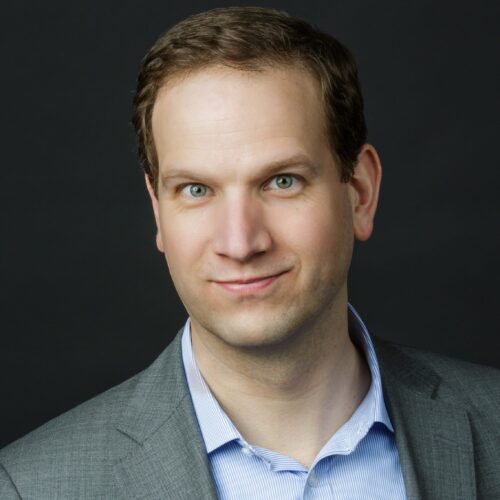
(141, 440)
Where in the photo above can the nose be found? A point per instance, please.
(241, 232)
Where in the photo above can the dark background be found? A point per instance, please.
(85, 298)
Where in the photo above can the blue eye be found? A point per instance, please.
(197, 190)
(282, 181)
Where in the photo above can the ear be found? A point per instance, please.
(156, 211)
(364, 187)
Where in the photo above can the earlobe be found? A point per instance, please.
(156, 212)
(159, 242)
(364, 190)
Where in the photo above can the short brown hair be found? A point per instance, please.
(249, 39)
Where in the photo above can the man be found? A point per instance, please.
(251, 131)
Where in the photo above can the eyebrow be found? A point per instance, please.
(296, 161)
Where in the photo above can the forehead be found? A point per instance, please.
(219, 115)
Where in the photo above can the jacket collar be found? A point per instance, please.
(433, 436)
(170, 460)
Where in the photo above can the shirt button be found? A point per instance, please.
(246, 451)
(312, 480)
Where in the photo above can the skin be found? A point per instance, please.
(248, 188)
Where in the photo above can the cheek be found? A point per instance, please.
(317, 231)
(181, 245)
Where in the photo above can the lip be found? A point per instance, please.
(249, 285)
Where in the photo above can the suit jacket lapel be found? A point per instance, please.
(169, 459)
(432, 434)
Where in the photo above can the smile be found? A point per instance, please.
(249, 285)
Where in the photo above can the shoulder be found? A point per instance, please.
(86, 424)
(62, 447)
(84, 443)
(472, 384)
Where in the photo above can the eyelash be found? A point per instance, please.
(295, 177)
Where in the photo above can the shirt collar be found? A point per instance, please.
(360, 336)
(217, 429)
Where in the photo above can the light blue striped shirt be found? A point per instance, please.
(360, 461)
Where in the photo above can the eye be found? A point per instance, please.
(195, 190)
(283, 181)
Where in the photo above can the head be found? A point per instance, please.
(257, 170)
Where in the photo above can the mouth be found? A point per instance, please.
(245, 286)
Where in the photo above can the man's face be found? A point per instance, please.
(255, 224)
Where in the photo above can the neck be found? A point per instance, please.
(288, 398)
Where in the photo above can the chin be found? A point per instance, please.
(248, 332)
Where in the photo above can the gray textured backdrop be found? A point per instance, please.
(85, 297)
